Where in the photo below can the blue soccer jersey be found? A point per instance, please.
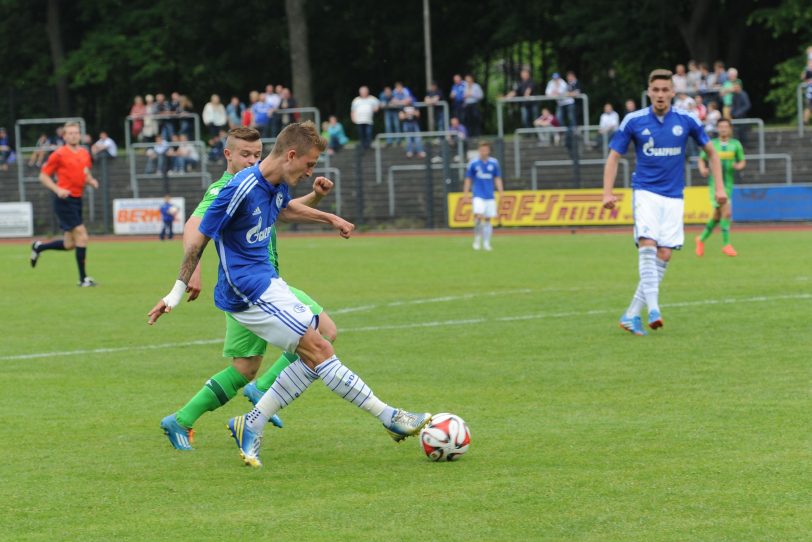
(239, 221)
(660, 148)
(482, 175)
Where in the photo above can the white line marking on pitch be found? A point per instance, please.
(415, 325)
(429, 300)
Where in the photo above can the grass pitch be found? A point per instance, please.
(700, 431)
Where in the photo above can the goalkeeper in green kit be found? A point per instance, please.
(731, 155)
(243, 149)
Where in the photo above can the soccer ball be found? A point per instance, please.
(446, 438)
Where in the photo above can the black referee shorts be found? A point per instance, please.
(69, 212)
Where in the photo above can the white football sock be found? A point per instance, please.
(647, 264)
(290, 384)
(487, 232)
(639, 299)
(350, 387)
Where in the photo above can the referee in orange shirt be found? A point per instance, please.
(71, 165)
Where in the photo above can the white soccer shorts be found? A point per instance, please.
(659, 218)
(484, 207)
(277, 316)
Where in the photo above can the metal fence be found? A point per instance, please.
(440, 133)
(166, 165)
(500, 104)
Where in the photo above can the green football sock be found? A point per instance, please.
(218, 391)
(708, 229)
(725, 231)
(264, 382)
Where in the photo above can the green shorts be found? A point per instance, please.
(241, 343)
(728, 191)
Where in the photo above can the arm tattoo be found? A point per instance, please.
(190, 259)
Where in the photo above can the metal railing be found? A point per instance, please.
(799, 99)
(200, 171)
(159, 117)
(787, 158)
(761, 150)
(541, 130)
(409, 167)
(500, 104)
(590, 161)
(335, 173)
(424, 105)
(439, 133)
(20, 149)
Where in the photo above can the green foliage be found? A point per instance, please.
(784, 93)
(699, 431)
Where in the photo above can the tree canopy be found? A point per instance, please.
(112, 50)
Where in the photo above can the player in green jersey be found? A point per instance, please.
(243, 149)
(731, 154)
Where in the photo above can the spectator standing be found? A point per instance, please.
(680, 79)
(806, 76)
(573, 92)
(259, 115)
(401, 96)
(457, 96)
(104, 147)
(151, 128)
(273, 98)
(727, 90)
(214, 115)
(433, 98)
(5, 149)
(471, 109)
(525, 87)
(287, 101)
(137, 112)
(609, 122)
(185, 109)
(409, 119)
(557, 88)
(164, 109)
(391, 121)
(739, 110)
(693, 78)
(629, 107)
(234, 112)
(362, 111)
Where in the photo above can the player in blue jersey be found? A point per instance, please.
(660, 134)
(484, 174)
(248, 287)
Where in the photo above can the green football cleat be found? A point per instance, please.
(406, 424)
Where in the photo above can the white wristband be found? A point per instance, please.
(173, 298)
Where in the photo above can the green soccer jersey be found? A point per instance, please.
(730, 152)
(211, 194)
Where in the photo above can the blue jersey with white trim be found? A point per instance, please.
(660, 148)
(240, 221)
(483, 174)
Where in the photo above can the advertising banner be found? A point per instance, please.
(142, 216)
(16, 219)
(569, 208)
(772, 203)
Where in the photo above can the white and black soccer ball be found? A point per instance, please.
(446, 438)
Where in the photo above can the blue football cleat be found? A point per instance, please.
(247, 441)
(405, 424)
(655, 320)
(254, 394)
(633, 325)
(179, 437)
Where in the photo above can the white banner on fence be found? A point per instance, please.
(16, 219)
(142, 216)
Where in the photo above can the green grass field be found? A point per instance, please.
(700, 431)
